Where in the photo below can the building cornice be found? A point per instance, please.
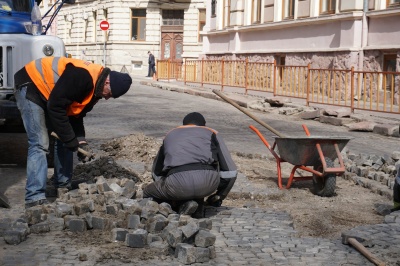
(383, 13)
(285, 51)
(382, 47)
(355, 15)
(112, 43)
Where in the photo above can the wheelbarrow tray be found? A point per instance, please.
(303, 151)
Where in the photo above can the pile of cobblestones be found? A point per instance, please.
(110, 204)
(376, 173)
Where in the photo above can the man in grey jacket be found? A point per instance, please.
(192, 163)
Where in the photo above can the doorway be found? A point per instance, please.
(172, 46)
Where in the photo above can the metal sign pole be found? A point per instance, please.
(104, 50)
(104, 26)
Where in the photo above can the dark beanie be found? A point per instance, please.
(119, 83)
(194, 119)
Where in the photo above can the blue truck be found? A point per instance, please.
(19, 46)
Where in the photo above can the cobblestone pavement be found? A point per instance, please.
(245, 236)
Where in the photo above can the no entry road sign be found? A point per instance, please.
(104, 25)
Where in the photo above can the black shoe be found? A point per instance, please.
(395, 209)
(214, 200)
(188, 208)
(199, 213)
(51, 192)
(36, 203)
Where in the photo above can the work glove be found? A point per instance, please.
(85, 157)
(72, 145)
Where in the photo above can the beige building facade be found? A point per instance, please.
(335, 34)
(169, 29)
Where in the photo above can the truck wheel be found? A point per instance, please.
(324, 186)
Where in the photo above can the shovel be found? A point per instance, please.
(224, 97)
(88, 155)
(4, 201)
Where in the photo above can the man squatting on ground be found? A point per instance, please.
(55, 93)
(192, 163)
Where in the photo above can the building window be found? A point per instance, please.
(288, 9)
(213, 8)
(389, 65)
(268, 11)
(327, 6)
(256, 11)
(281, 62)
(390, 3)
(138, 25)
(202, 23)
(137, 65)
(172, 17)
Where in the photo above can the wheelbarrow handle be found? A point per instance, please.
(223, 96)
(87, 154)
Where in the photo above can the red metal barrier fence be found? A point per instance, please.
(364, 90)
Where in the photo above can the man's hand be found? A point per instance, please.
(72, 145)
(82, 157)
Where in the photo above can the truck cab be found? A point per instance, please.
(18, 47)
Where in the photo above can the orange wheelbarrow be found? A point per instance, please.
(312, 154)
(304, 153)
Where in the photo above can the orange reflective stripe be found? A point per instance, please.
(76, 108)
(46, 71)
(35, 70)
(186, 126)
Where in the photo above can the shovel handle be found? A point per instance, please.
(87, 154)
(276, 132)
(357, 245)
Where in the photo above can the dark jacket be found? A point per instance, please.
(73, 86)
(152, 60)
(193, 145)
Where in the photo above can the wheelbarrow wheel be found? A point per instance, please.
(324, 186)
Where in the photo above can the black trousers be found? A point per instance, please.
(396, 194)
(152, 70)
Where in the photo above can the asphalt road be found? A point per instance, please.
(155, 111)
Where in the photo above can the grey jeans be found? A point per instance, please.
(187, 185)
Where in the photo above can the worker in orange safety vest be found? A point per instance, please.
(54, 94)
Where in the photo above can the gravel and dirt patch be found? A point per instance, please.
(313, 216)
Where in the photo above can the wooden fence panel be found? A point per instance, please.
(235, 73)
(374, 91)
(192, 71)
(212, 72)
(377, 91)
(291, 81)
(260, 76)
(330, 87)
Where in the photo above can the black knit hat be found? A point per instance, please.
(194, 119)
(119, 83)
